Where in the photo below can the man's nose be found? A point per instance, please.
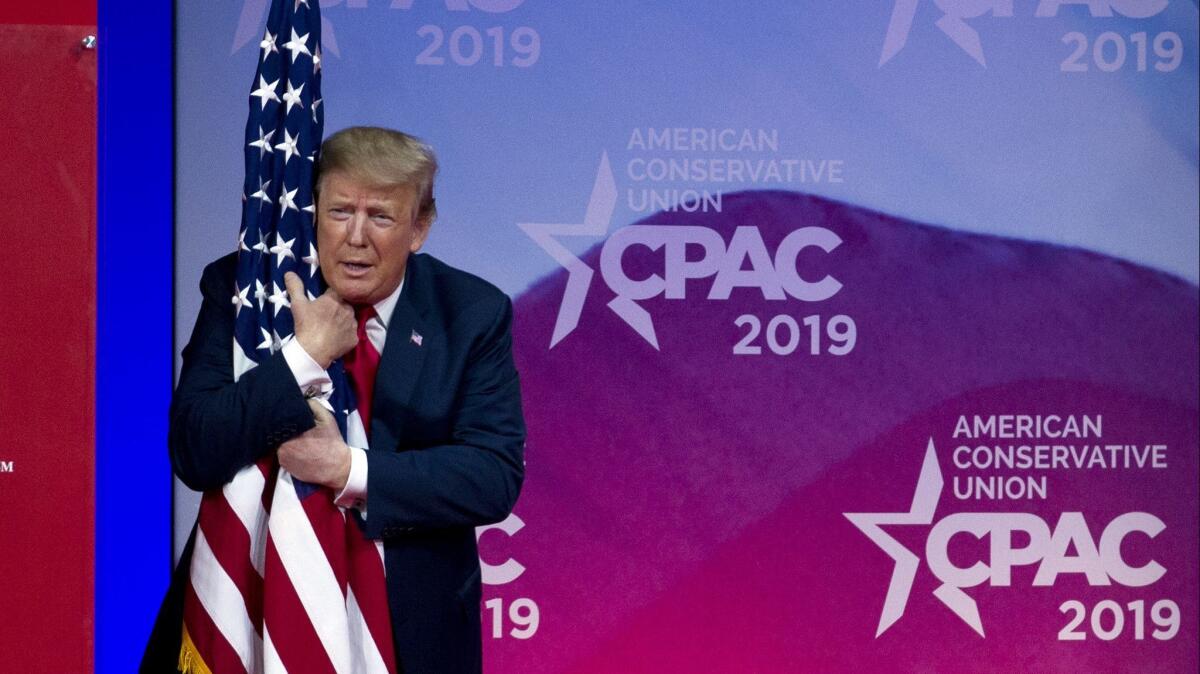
(356, 236)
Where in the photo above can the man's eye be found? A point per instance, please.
(382, 219)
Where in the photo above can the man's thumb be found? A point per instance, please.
(295, 289)
(322, 411)
(322, 414)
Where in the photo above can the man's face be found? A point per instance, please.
(364, 236)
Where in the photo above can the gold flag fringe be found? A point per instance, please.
(190, 661)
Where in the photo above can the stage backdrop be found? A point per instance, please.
(855, 336)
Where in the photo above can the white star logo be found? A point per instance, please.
(282, 249)
(595, 225)
(924, 503)
(297, 45)
(240, 300)
(266, 91)
(279, 298)
(292, 97)
(268, 45)
(263, 143)
(289, 146)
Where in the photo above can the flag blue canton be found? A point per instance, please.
(283, 138)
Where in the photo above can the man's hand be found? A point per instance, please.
(325, 327)
(318, 456)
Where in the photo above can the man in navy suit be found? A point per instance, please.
(446, 429)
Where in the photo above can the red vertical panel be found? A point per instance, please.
(47, 346)
(55, 12)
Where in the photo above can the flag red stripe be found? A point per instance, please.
(291, 631)
(230, 544)
(370, 590)
(329, 525)
(213, 647)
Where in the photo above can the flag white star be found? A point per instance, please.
(263, 143)
(316, 104)
(311, 260)
(266, 343)
(292, 97)
(278, 343)
(282, 248)
(262, 242)
(242, 241)
(268, 45)
(286, 201)
(260, 292)
(317, 59)
(261, 194)
(288, 146)
(240, 300)
(279, 298)
(297, 45)
(266, 91)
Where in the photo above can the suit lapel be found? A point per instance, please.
(400, 365)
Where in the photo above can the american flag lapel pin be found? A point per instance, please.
(416, 338)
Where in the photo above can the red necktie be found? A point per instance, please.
(361, 364)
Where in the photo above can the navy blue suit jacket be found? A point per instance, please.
(447, 438)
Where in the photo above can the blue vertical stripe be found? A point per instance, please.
(134, 325)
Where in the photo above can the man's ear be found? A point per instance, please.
(421, 228)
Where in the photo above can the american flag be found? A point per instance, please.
(282, 579)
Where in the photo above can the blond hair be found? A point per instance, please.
(382, 158)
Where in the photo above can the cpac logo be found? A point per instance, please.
(777, 278)
(254, 13)
(1101, 565)
(956, 12)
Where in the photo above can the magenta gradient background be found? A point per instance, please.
(684, 508)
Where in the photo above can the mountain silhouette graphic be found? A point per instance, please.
(682, 506)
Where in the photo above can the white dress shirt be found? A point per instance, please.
(315, 383)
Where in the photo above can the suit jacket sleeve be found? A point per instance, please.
(473, 479)
(217, 425)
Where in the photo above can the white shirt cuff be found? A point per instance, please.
(313, 379)
(354, 494)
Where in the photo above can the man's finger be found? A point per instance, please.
(295, 289)
(320, 412)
